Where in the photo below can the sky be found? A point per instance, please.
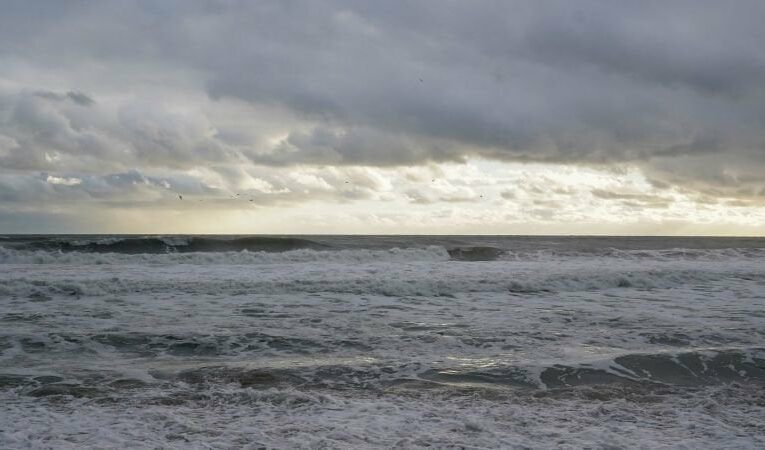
(378, 117)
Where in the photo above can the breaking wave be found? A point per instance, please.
(475, 253)
(292, 252)
(692, 368)
(160, 244)
(700, 367)
(307, 255)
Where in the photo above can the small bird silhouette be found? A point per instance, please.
(180, 196)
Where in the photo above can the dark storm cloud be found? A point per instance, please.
(698, 45)
(572, 82)
(676, 87)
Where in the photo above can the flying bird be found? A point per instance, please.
(180, 196)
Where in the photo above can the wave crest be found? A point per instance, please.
(170, 244)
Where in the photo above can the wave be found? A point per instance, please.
(283, 252)
(691, 368)
(187, 249)
(475, 253)
(242, 257)
(457, 248)
(160, 244)
(699, 367)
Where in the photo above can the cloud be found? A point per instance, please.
(77, 97)
(508, 195)
(221, 95)
(634, 199)
(427, 196)
(45, 130)
(63, 181)
(576, 83)
(356, 146)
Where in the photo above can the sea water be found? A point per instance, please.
(381, 342)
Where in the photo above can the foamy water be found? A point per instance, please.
(372, 342)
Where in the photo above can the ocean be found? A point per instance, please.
(455, 342)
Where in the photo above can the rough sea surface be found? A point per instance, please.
(381, 342)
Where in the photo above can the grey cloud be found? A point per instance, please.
(659, 204)
(572, 83)
(675, 87)
(161, 138)
(700, 45)
(720, 174)
(38, 188)
(564, 191)
(134, 188)
(39, 134)
(508, 195)
(634, 200)
(79, 98)
(424, 197)
(611, 195)
(357, 146)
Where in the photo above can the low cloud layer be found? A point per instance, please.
(120, 102)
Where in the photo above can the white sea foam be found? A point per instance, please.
(233, 418)
(398, 275)
(432, 253)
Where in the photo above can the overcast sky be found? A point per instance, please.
(627, 117)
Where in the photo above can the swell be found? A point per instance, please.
(160, 244)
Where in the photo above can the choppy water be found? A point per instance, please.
(381, 342)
